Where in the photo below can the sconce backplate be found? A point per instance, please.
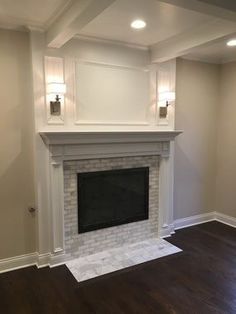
(163, 112)
(55, 108)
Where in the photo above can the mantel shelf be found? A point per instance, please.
(86, 137)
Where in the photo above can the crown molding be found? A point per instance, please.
(33, 28)
(56, 15)
(111, 42)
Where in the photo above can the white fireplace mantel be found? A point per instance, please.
(82, 137)
(66, 145)
(82, 145)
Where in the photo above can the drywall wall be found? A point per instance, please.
(17, 226)
(226, 143)
(197, 98)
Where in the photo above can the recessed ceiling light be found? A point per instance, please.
(138, 24)
(231, 43)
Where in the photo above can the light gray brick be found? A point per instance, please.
(89, 243)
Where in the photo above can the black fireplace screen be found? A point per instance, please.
(111, 198)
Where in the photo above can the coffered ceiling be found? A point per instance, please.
(16, 14)
(214, 52)
(163, 21)
(195, 29)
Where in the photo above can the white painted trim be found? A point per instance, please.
(166, 180)
(17, 262)
(185, 42)
(87, 145)
(57, 205)
(43, 260)
(193, 220)
(202, 218)
(166, 231)
(111, 42)
(113, 65)
(27, 260)
(225, 219)
(220, 10)
(146, 70)
(106, 137)
(72, 19)
(201, 59)
(126, 123)
(54, 72)
(208, 59)
(59, 11)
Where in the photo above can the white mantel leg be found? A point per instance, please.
(166, 219)
(57, 206)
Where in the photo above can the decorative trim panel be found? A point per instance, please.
(57, 200)
(54, 72)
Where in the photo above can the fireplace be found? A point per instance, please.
(73, 153)
(111, 198)
(131, 176)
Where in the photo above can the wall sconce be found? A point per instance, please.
(56, 90)
(164, 100)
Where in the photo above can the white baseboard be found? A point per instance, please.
(193, 220)
(225, 219)
(199, 219)
(17, 262)
(47, 259)
(43, 260)
(166, 231)
(22, 261)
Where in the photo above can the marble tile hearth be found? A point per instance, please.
(111, 260)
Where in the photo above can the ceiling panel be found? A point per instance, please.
(214, 52)
(17, 13)
(163, 21)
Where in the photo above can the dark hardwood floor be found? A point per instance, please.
(201, 279)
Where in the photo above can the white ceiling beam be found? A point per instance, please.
(184, 43)
(224, 9)
(73, 19)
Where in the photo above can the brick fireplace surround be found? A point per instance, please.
(100, 240)
(73, 152)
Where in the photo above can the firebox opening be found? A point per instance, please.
(111, 198)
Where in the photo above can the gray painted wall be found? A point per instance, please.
(226, 144)
(197, 98)
(205, 163)
(17, 226)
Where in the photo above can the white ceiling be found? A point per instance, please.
(163, 21)
(215, 52)
(195, 29)
(18, 13)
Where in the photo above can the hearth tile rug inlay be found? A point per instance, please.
(98, 264)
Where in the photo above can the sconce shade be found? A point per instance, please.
(166, 96)
(56, 88)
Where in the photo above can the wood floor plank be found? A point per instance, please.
(199, 280)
